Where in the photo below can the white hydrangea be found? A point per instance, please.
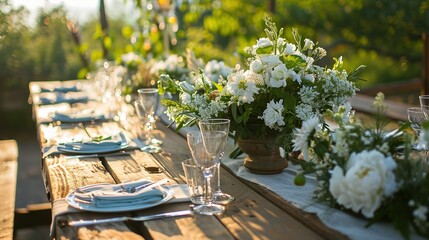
(367, 179)
(273, 114)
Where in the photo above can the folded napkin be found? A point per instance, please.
(113, 195)
(64, 117)
(92, 146)
(59, 97)
(60, 89)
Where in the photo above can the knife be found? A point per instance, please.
(81, 223)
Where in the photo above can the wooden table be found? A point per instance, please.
(256, 213)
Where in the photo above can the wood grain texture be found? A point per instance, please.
(64, 175)
(133, 167)
(8, 174)
(250, 215)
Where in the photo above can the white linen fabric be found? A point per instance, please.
(302, 197)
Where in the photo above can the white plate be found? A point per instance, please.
(101, 150)
(168, 194)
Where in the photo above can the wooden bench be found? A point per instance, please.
(8, 174)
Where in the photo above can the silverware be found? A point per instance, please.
(121, 153)
(146, 186)
(81, 223)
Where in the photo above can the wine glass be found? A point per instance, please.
(416, 118)
(220, 127)
(207, 164)
(424, 104)
(145, 108)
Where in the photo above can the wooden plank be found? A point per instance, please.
(250, 214)
(64, 175)
(395, 110)
(8, 174)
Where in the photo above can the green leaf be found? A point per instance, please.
(289, 102)
(293, 61)
(265, 50)
(234, 111)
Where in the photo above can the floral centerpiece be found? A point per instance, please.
(366, 170)
(174, 65)
(281, 88)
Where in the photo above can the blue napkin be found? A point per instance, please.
(92, 146)
(110, 195)
(60, 89)
(60, 98)
(63, 117)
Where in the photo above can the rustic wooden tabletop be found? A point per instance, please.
(256, 213)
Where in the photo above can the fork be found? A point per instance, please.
(146, 186)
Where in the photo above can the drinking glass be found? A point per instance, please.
(208, 128)
(424, 104)
(416, 118)
(207, 165)
(145, 108)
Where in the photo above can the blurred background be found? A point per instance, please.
(61, 40)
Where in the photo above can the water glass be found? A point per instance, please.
(205, 162)
(195, 180)
(209, 128)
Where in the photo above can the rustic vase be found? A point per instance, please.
(263, 155)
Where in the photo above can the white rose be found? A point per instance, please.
(256, 66)
(279, 72)
(290, 49)
(369, 178)
(308, 44)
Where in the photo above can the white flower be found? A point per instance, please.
(214, 69)
(308, 44)
(272, 115)
(271, 60)
(185, 98)
(131, 57)
(290, 49)
(309, 77)
(251, 76)
(300, 142)
(278, 76)
(368, 179)
(420, 213)
(282, 152)
(241, 88)
(256, 66)
(262, 43)
(187, 87)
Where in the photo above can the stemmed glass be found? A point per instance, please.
(207, 163)
(416, 118)
(209, 128)
(145, 108)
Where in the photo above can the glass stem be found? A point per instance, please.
(207, 193)
(218, 179)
